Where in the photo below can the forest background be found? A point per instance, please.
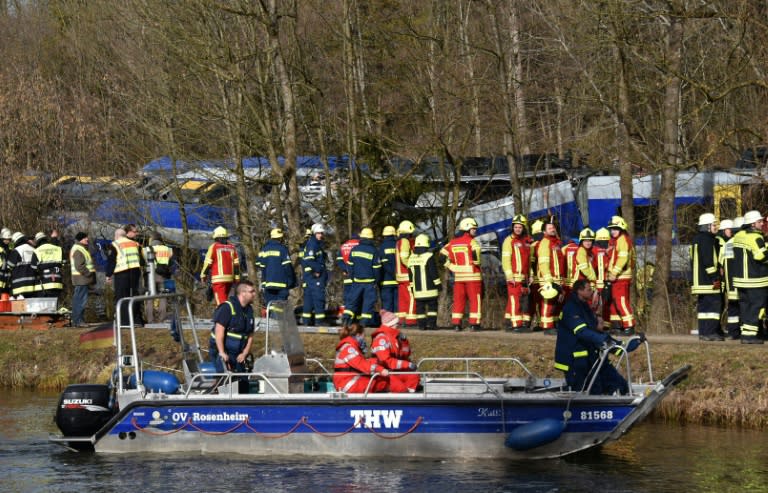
(633, 86)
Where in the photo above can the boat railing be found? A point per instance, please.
(469, 361)
(623, 358)
(130, 360)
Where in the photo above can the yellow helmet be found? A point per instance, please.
(366, 233)
(220, 232)
(467, 223)
(389, 231)
(276, 233)
(603, 234)
(537, 226)
(586, 234)
(421, 241)
(406, 227)
(617, 222)
(520, 219)
(548, 291)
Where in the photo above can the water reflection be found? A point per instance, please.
(651, 458)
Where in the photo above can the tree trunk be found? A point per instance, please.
(660, 307)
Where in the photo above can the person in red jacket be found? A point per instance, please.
(392, 350)
(222, 265)
(462, 258)
(352, 371)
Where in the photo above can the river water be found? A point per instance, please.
(653, 457)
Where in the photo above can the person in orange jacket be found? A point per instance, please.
(621, 265)
(222, 264)
(515, 261)
(392, 350)
(462, 258)
(352, 370)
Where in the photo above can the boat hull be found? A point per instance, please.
(396, 427)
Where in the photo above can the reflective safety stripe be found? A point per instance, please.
(230, 334)
(580, 354)
(560, 366)
(579, 327)
(708, 316)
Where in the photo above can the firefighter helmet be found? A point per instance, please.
(548, 291)
(276, 233)
(389, 231)
(406, 227)
(537, 226)
(421, 241)
(738, 222)
(617, 222)
(706, 219)
(318, 228)
(752, 217)
(366, 233)
(726, 224)
(602, 234)
(5, 234)
(39, 236)
(220, 232)
(467, 223)
(586, 234)
(521, 220)
(17, 236)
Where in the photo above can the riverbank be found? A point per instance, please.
(727, 385)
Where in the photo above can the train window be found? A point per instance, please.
(646, 220)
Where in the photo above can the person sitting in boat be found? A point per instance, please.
(352, 371)
(578, 346)
(232, 332)
(393, 351)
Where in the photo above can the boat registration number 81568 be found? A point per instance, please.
(595, 415)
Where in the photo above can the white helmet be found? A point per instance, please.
(726, 224)
(706, 219)
(318, 228)
(752, 217)
(738, 222)
(5, 234)
(17, 236)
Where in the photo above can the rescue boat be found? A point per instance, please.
(286, 404)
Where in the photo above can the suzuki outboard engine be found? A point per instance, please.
(83, 409)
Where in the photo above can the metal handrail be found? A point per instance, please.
(468, 360)
(604, 356)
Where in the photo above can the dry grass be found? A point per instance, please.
(727, 385)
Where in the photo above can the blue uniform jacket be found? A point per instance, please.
(274, 261)
(577, 336)
(387, 252)
(364, 262)
(314, 261)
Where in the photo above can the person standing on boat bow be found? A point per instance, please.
(579, 343)
(232, 332)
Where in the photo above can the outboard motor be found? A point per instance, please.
(83, 409)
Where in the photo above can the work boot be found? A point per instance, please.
(457, 328)
(522, 329)
(751, 340)
(629, 331)
(475, 328)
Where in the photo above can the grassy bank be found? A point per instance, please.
(727, 385)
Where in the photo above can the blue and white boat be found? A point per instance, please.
(286, 405)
